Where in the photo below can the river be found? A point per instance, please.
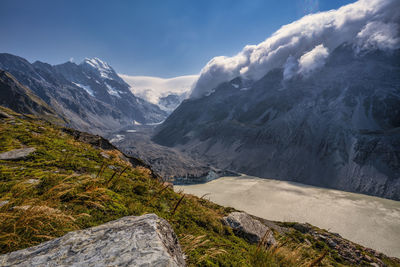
(370, 221)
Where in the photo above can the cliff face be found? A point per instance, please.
(337, 128)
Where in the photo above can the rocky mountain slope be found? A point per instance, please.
(170, 102)
(169, 163)
(21, 99)
(337, 128)
(69, 180)
(91, 95)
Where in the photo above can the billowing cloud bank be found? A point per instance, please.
(153, 88)
(302, 46)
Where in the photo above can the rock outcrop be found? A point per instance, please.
(4, 115)
(130, 241)
(350, 252)
(17, 153)
(249, 228)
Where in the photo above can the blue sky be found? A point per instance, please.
(144, 37)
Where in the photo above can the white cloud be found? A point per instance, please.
(153, 88)
(330, 29)
(377, 34)
(290, 67)
(313, 59)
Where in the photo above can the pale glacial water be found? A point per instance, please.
(370, 221)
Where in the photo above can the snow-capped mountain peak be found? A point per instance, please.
(97, 63)
(102, 68)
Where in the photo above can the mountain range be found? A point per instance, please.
(317, 102)
(338, 127)
(91, 95)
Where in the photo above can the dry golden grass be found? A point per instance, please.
(190, 243)
(28, 220)
(32, 223)
(283, 255)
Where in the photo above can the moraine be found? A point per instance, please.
(370, 221)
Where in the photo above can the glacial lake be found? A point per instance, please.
(370, 221)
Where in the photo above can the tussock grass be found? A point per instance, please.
(192, 243)
(32, 224)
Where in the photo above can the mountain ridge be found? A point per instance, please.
(94, 100)
(338, 128)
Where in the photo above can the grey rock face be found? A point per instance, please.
(249, 228)
(337, 128)
(130, 241)
(170, 102)
(302, 227)
(17, 153)
(20, 98)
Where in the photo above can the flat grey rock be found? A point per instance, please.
(302, 227)
(4, 115)
(249, 228)
(32, 181)
(17, 153)
(130, 241)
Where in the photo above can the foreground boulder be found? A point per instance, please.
(17, 153)
(130, 241)
(4, 115)
(249, 228)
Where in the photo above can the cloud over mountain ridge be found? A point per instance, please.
(153, 88)
(302, 45)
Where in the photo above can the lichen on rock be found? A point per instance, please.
(146, 240)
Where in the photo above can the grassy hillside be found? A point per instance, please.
(67, 185)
